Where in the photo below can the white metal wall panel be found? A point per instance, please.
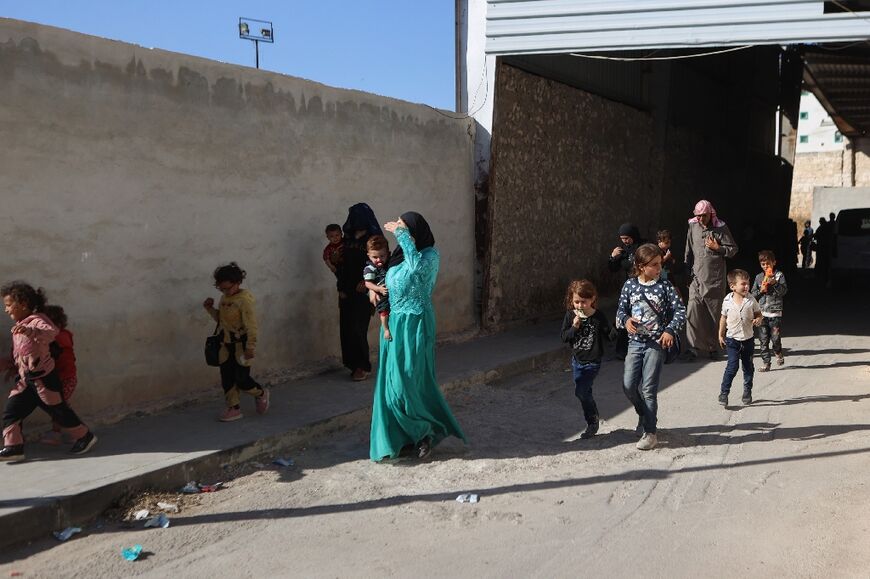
(558, 26)
(542, 8)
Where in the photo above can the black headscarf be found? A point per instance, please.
(360, 217)
(419, 230)
(630, 229)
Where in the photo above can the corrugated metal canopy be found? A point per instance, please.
(840, 79)
(559, 26)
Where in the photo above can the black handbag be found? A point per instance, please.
(672, 353)
(213, 347)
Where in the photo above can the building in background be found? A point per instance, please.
(816, 129)
(825, 159)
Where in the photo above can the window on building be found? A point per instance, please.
(805, 139)
(804, 115)
(838, 137)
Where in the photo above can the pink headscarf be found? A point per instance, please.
(703, 206)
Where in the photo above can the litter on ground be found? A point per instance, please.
(132, 553)
(168, 507)
(66, 533)
(160, 520)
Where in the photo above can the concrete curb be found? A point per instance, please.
(59, 512)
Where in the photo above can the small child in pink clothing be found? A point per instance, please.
(38, 384)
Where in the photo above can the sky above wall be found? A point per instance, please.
(398, 48)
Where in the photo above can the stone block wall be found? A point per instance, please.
(568, 167)
(828, 169)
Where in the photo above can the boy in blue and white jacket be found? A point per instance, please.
(652, 312)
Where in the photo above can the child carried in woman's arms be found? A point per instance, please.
(375, 276)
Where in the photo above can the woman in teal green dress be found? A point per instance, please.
(409, 409)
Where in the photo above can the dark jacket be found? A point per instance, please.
(770, 301)
(587, 341)
(625, 260)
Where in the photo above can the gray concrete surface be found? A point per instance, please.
(135, 172)
(53, 489)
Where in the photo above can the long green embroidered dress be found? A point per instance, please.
(408, 405)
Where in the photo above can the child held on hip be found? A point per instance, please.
(375, 276)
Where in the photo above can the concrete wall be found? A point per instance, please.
(838, 169)
(569, 166)
(828, 200)
(130, 173)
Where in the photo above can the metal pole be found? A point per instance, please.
(257, 48)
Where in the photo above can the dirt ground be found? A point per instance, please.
(775, 489)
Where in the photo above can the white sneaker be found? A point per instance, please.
(648, 442)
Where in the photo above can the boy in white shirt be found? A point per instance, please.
(740, 312)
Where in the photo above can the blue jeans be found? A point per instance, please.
(584, 375)
(643, 368)
(739, 353)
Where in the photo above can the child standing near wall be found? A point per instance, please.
(769, 288)
(740, 312)
(375, 277)
(332, 251)
(38, 383)
(64, 363)
(585, 328)
(237, 322)
(652, 312)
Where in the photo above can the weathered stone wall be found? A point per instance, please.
(567, 166)
(128, 174)
(829, 169)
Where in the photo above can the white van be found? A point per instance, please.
(851, 242)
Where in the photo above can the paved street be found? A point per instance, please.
(775, 489)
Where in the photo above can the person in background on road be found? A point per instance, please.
(38, 384)
(824, 237)
(740, 312)
(409, 410)
(586, 329)
(652, 312)
(237, 321)
(332, 251)
(708, 243)
(65, 364)
(622, 259)
(768, 289)
(806, 245)
(354, 309)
